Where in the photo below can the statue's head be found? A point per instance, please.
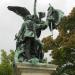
(32, 17)
(41, 14)
(28, 17)
(35, 18)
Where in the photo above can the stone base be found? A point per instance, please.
(39, 69)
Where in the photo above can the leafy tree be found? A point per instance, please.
(62, 46)
(11, 56)
(66, 39)
(48, 43)
(6, 63)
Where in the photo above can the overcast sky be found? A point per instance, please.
(10, 23)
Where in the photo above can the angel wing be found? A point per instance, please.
(60, 16)
(21, 11)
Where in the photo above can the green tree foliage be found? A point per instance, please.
(6, 67)
(66, 39)
(62, 46)
(4, 57)
(48, 43)
(11, 56)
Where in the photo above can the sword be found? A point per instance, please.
(35, 7)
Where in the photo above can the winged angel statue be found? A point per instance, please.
(28, 45)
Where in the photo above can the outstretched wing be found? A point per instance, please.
(61, 15)
(22, 11)
(58, 15)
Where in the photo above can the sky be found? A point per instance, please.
(47, 56)
(10, 23)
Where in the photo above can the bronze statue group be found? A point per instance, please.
(28, 45)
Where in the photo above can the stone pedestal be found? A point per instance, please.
(30, 69)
